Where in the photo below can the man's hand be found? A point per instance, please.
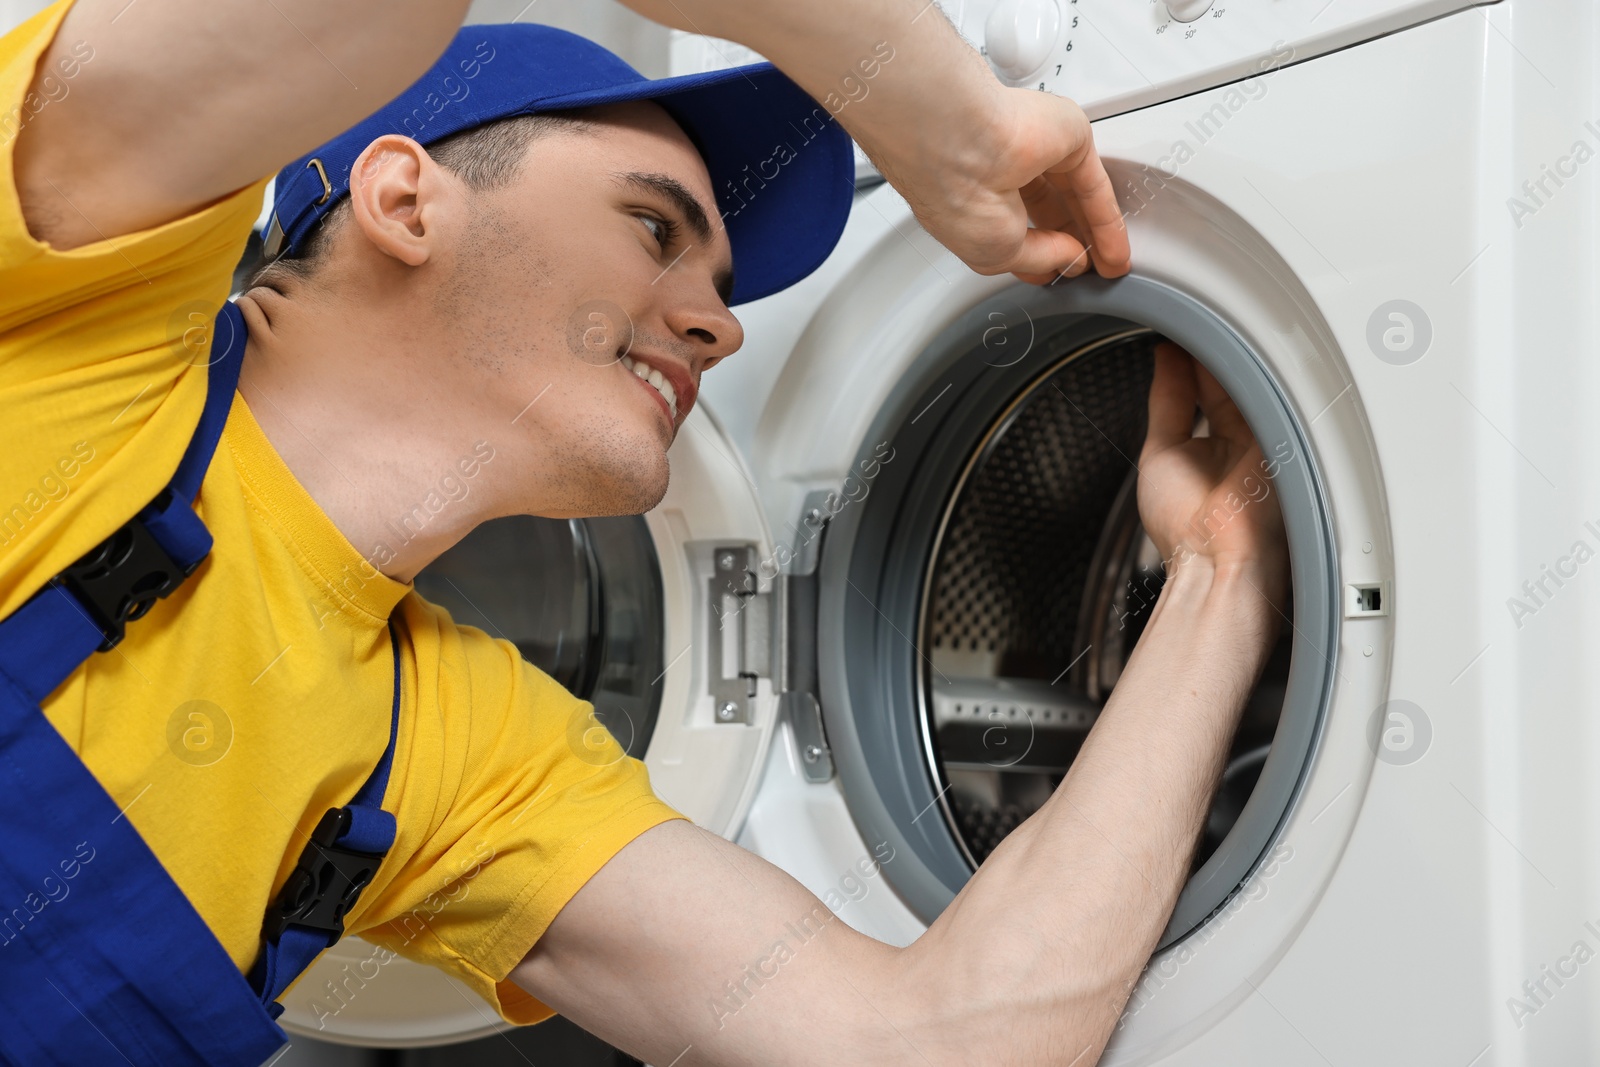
(1207, 496)
(974, 159)
(1023, 155)
(1034, 159)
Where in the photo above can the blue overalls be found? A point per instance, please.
(125, 969)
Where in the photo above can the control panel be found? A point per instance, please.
(1115, 55)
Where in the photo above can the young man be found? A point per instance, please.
(429, 319)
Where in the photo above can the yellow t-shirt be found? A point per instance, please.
(258, 695)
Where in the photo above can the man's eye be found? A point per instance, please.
(662, 230)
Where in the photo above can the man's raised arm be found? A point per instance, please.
(185, 101)
(975, 159)
(180, 102)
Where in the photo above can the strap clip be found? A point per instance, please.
(275, 239)
(324, 884)
(122, 577)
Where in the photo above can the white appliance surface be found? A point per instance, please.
(1399, 211)
(1394, 201)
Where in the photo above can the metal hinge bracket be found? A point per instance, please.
(756, 635)
(740, 631)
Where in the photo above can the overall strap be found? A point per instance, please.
(102, 957)
(338, 862)
(85, 608)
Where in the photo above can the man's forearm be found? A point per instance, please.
(1060, 920)
(835, 50)
(185, 101)
(975, 160)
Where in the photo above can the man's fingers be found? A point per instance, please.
(1073, 194)
(1172, 400)
(1047, 209)
(1051, 214)
(1087, 188)
(1048, 254)
(1079, 178)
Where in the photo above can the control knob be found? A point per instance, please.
(1187, 10)
(1020, 34)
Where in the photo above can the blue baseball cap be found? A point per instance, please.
(782, 168)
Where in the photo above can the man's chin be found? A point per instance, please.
(633, 496)
(603, 472)
(636, 505)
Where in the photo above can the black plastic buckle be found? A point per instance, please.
(122, 577)
(324, 884)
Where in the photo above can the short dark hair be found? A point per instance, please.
(484, 157)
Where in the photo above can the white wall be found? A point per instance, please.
(643, 43)
(13, 12)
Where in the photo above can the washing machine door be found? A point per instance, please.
(663, 622)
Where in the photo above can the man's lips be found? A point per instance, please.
(684, 389)
(655, 394)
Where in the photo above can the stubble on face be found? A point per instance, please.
(596, 469)
(580, 449)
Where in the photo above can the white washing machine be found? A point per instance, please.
(899, 566)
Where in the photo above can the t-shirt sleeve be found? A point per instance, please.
(513, 796)
(102, 348)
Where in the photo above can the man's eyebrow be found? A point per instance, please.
(675, 191)
(686, 203)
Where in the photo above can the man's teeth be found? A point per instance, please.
(655, 378)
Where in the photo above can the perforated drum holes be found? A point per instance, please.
(1044, 563)
(1014, 564)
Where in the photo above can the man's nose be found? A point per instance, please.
(697, 316)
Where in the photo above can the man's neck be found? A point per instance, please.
(378, 457)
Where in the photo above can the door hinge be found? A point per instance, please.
(740, 632)
(757, 635)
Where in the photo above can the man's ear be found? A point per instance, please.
(395, 195)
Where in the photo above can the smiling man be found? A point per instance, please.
(230, 726)
(566, 274)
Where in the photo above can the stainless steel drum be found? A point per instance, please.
(975, 610)
(1040, 583)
